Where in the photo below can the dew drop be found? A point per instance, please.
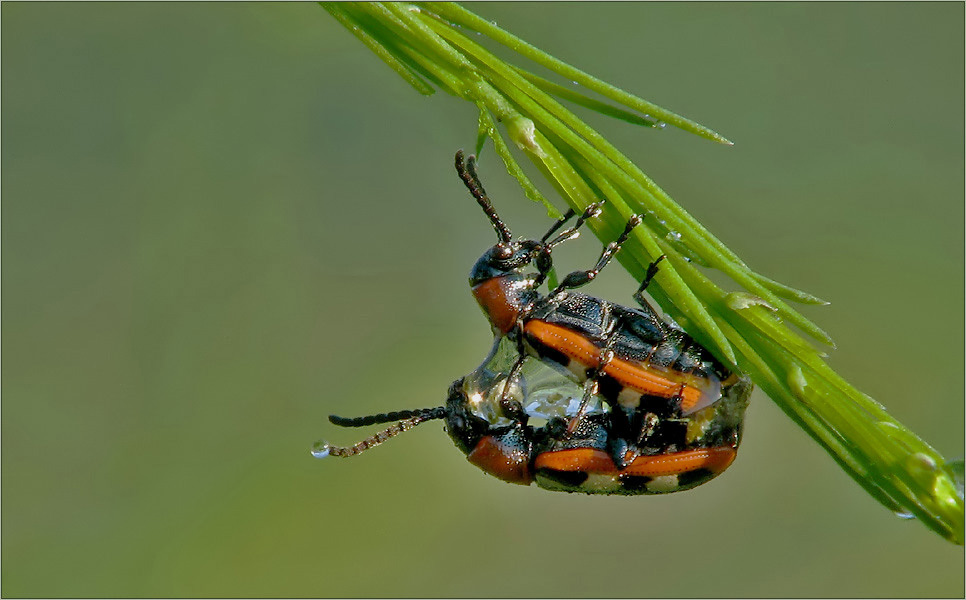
(743, 300)
(320, 450)
(796, 380)
(523, 133)
(687, 253)
(922, 461)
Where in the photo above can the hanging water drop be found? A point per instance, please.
(320, 449)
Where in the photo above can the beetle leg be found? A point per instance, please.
(606, 355)
(543, 260)
(651, 272)
(558, 224)
(628, 449)
(579, 278)
(511, 408)
(544, 263)
(590, 212)
(591, 387)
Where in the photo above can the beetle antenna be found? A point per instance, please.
(471, 168)
(467, 172)
(427, 413)
(323, 449)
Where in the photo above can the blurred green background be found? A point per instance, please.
(222, 222)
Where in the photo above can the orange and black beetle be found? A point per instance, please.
(637, 407)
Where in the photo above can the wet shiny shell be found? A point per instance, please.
(612, 449)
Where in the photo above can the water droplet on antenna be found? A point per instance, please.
(320, 450)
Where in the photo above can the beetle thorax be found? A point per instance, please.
(503, 299)
(499, 285)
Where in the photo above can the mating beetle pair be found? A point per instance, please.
(627, 402)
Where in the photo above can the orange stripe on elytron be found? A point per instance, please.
(715, 460)
(628, 374)
(585, 460)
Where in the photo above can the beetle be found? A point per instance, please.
(655, 381)
(547, 450)
(639, 362)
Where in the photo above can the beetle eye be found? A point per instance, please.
(503, 252)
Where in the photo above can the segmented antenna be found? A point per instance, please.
(426, 413)
(412, 419)
(467, 172)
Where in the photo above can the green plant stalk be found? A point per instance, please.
(425, 43)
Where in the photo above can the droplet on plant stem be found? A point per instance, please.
(923, 462)
(677, 242)
(523, 133)
(743, 300)
(796, 380)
